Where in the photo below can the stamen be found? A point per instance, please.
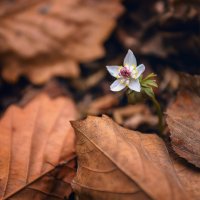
(125, 72)
(134, 73)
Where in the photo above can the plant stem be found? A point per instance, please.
(131, 99)
(159, 113)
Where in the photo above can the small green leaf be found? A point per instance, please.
(149, 92)
(149, 76)
(140, 79)
(148, 83)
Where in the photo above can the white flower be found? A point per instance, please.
(127, 75)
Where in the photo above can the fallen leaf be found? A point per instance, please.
(170, 80)
(188, 175)
(89, 82)
(37, 149)
(135, 121)
(40, 70)
(53, 89)
(69, 31)
(105, 102)
(7, 7)
(116, 163)
(190, 82)
(137, 111)
(183, 117)
(102, 104)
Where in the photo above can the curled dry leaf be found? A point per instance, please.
(116, 163)
(132, 116)
(105, 102)
(37, 149)
(69, 31)
(183, 118)
(120, 113)
(139, 119)
(102, 104)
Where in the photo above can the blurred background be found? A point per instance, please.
(64, 45)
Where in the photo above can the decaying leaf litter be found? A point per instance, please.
(37, 62)
(31, 151)
(130, 164)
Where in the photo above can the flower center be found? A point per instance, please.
(125, 72)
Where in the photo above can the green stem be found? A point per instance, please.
(131, 99)
(159, 113)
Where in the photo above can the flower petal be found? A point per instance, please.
(140, 69)
(113, 70)
(130, 59)
(117, 85)
(135, 85)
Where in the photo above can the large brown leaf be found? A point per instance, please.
(39, 70)
(54, 34)
(7, 7)
(183, 119)
(37, 149)
(115, 163)
(188, 175)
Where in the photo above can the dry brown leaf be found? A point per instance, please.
(65, 26)
(40, 70)
(116, 163)
(190, 82)
(133, 115)
(128, 111)
(90, 81)
(102, 104)
(7, 7)
(188, 175)
(171, 80)
(37, 144)
(73, 30)
(137, 120)
(183, 118)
